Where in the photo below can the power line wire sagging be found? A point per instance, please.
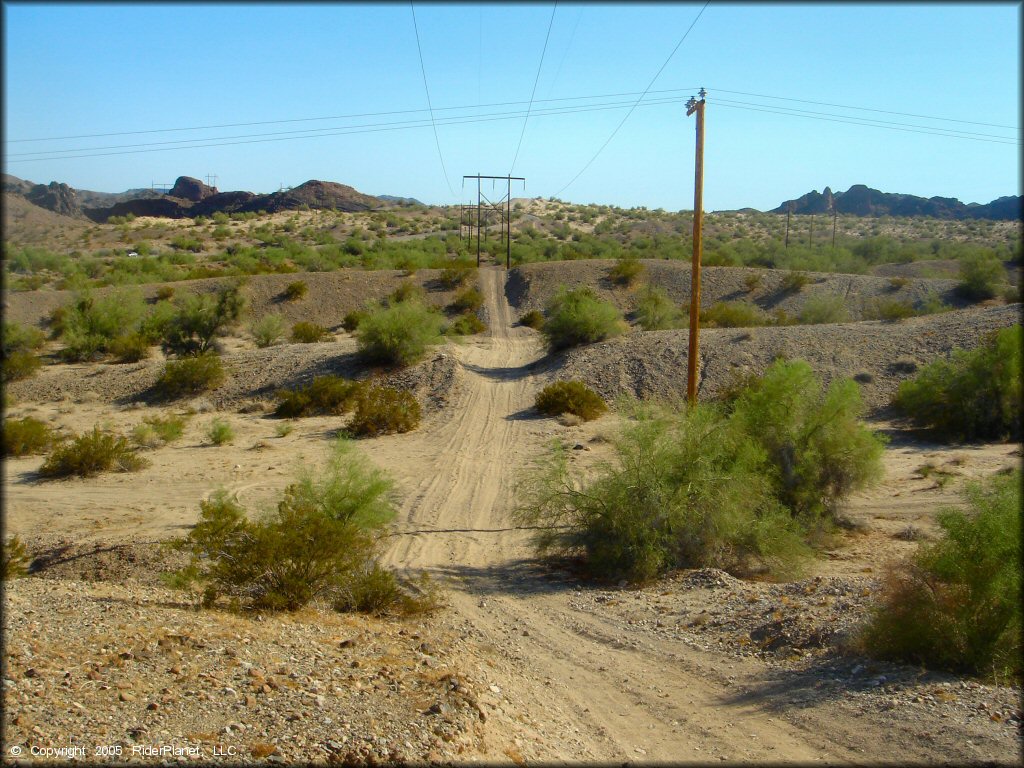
(533, 93)
(423, 69)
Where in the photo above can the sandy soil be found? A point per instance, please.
(563, 670)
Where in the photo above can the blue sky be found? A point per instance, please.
(77, 69)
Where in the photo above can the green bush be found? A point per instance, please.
(469, 300)
(325, 395)
(733, 314)
(956, 604)
(407, 290)
(533, 319)
(130, 348)
(21, 338)
(91, 453)
(220, 432)
(818, 451)
(972, 395)
(824, 309)
(456, 276)
(793, 282)
(304, 332)
(982, 276)
(89, 325)
(352, 319)
(322, 537)
(398, 334)
(579, 317)
(888, 309)
(199, 318)
(16, 559)
(656, 312)
(752, 281)
(19, 365)
(190, 376)
(570, 397)
(467, 324)
(626, 271)
(165, 293)
(268, 330)
(384, 410)
(295, 291)
(22, 437)
(684, 491)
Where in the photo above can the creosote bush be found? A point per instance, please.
(656, 312)
(352, 319)
(573, 397)
(407, 290)
(749, 491)
(320, 542)
(579, 317)
(384, 410)
(268, 330)
(190, 376)
(91, 453)
(888, 309)
(466, 324)
(19, 365)
(398, 334)
(533, 319)
(22, 437)
(793, 282)
(130, 348)
(982, 276)
(626, 271)
(733, 314)
(456, 276)
(974, 394)
(295, 291)
(824, 309)
(220, 432)
(956, 604)
(16, 559)
(304, 332)
(469, 300)
(323, 396)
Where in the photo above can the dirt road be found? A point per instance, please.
(597, 689)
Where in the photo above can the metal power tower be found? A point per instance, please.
(503, 207)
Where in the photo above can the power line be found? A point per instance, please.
(624, 119)
(379, 127)
(423, 69)
(865, 109)
(568, 47)
(536, 79)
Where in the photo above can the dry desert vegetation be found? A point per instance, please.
(727, 648)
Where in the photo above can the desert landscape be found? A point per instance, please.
(513, 657)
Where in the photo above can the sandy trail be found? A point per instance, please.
(603, 691)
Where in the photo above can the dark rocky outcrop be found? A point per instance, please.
(188, 188)
(861, 200)
(56, 197)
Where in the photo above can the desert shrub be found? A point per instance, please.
(795, 281)
(89, 324)
(398, 334)
(304, 332)
(824, 309)
(752, 281)
(165, 293)
(579, 317)
(91, 453)
(129, 348)
(167, 428)
(655, 311)
(295, 291)
(384, 410)
(467, 324)
(190, 376)
(144, 436)
(325, 395)
(469, 300)
(22, 437)
(352, 319)
(896, 283)
(981, 276)
(322, 536)
(19, 365)
(684, 490)
(220, 432)
(818, 451)
(573, 397)
(186, 243)
(456, 276)
(533, 319)
(16, 559)
(626, 271)
(21, 338)
(268, 330)
(283, 430)
(201, 317)
(407, 290)
(974, 394)
(733, 314)
(932, 304)
(888, 309)
(956, 604)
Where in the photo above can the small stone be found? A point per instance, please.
(31, 672)
(347, 643)
(152, 706)
(250, 700)
(125, 696)
(356, 664)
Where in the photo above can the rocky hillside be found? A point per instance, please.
(861, 200)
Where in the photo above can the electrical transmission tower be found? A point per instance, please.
(502, 206)
(212, 176)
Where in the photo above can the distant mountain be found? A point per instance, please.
(68, 201)
(399, 200)
(860, 200)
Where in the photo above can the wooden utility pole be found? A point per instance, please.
(789, 210)
(698, 214)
